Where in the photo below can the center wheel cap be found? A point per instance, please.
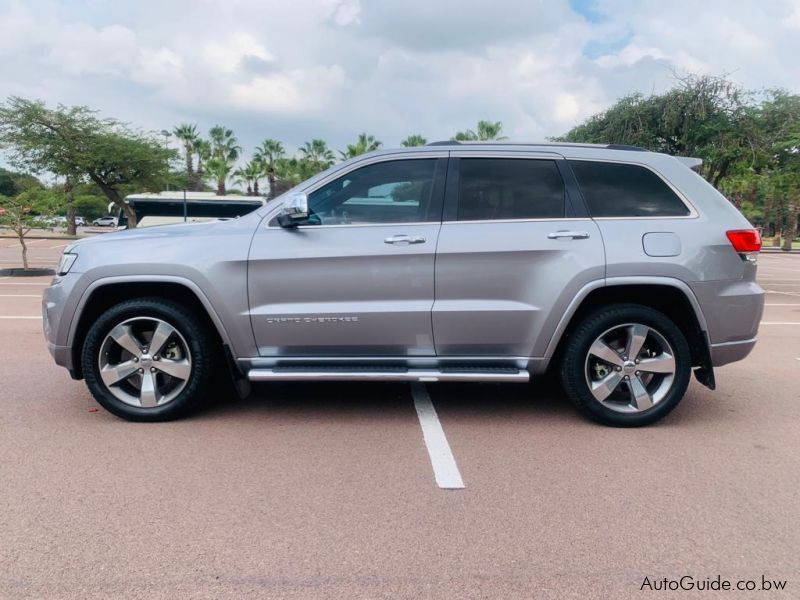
(146, 361)
(629, 367)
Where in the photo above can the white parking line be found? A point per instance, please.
(20, 295)
(789, 304)
(780, 323)
(444, 465)
(21, 317)
(42, 283)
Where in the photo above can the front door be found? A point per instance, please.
(356, 278)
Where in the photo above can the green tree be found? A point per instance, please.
(486, 131)
(224, 149)
(249, 175)
(187, 134)
(203, 150)
(291, 171)
(12, 183)
(317, 154)
(414, 140)
(708, 117)
(90, 206)
(74, 143)
(18, 212)
(268, 154)
(218, 170)
(365, 143)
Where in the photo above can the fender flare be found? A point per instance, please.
(572, 308)
(187, 283)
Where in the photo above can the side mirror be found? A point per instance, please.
(295, 210)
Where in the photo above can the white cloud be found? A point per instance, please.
(228, 55)
(344, 12)
(296, 91)
(332, 68)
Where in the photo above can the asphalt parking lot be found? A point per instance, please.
(323, 490)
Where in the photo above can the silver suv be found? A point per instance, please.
(620, 269)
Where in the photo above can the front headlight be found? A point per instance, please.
(66, 262)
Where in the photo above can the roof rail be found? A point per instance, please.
(556, 144)
(626, 147)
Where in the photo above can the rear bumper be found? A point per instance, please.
(728, 352)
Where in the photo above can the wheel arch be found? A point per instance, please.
(104, 293)
(670, 296)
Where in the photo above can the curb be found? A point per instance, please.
(779, 251)
(34, 272)
(41, 237)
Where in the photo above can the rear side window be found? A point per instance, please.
(509, 188)
(623, 190)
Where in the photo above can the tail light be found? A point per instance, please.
(745, 241)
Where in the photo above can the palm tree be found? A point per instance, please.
(249, 175)
(317, 153)
(203, 150)
(268, 153)
(218, 169)
(414, 140)
(365, 143)
(224, 143)
(487, 131)
(224, 148)
(187, 133)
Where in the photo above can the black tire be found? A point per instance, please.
(574, 365)
(201, 348)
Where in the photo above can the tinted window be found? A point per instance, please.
(387, 192)
(506, 188)
(620, 190)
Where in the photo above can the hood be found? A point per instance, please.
(176, 230)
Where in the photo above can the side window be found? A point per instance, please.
(509, 188)
(397, 191)
(624, 190)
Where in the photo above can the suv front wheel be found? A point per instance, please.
(148, 359)
(626, 365)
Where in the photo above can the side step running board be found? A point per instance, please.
(390, 374)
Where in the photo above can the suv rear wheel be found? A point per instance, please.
(626, 365)
(148, 359)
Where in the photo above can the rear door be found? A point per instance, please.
(515, 247)
(356, 278)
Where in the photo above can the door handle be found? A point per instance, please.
(404, 240)
(563, 233)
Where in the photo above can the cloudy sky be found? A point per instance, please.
(299, 69)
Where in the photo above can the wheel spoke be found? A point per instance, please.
(605, 352)
(637, 334)
(160, 336)
(149, 392)
(603, 388)
(112, 374)
(176, 368)
(663, 363)
(640, 397)
(123, 335)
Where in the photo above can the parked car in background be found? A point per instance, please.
(105, 222)
(80, 222)
(620, 269)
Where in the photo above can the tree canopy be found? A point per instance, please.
(74, 143)
(749, 141)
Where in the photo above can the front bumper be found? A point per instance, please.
(56, 320)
